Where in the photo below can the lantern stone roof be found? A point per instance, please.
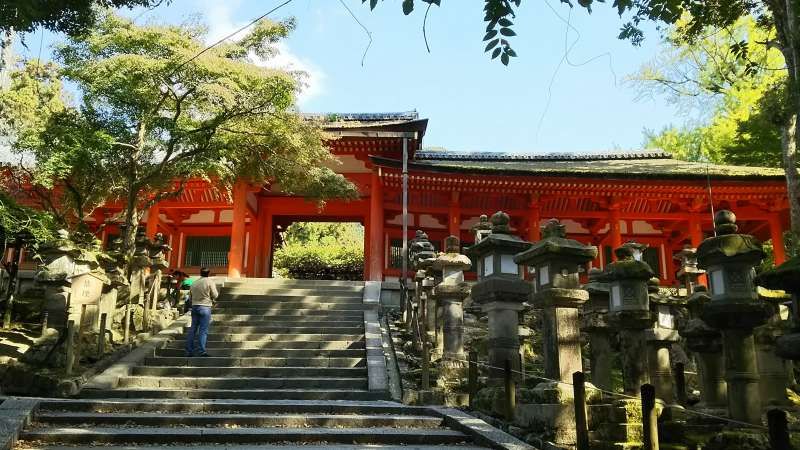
(641, 164)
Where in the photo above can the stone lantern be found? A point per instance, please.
(482, 229)
(689, 272)
(450, 293)
(785, 277)
(730, 258)
(706, 343)
(594, 321)
(629, 312)
(660, 338)
(558, 293)
(424, 254)
(54, 273)
(500, 291)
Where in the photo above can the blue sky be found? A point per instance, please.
(473, 103)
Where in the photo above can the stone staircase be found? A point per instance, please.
(287, 367)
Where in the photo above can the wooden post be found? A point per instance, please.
(649, 417)
(101, 337)
(511, 392)
(126, 323)
(472, 377)
(581, 424)
(81, 319)
(778, 430)
(44, 322)
(69, 342)
(680, 383)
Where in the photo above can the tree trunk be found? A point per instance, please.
(789, 143)
(132, 218)
(786, 25)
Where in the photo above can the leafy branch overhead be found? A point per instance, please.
(497, 15)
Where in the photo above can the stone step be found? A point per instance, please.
(376, 435)
(291, 315)
(289, 283)
(159, 419)
(270, 345)
(267, 300)
(289, 322)
(332, 293)
(281, 337)
(248, 394)
(249, 372)
(255, 362)
(156, 382)
(24, 446)
(245, 353)
(291, 329)
(278, 307)
(227, 406)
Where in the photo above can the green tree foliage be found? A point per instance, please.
(55, 169)
(16, 219)
(157, 109)
(321, 250)
(66, 16)
(727, 98)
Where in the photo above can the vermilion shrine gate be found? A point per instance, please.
(603, 199)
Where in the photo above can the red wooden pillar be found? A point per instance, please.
(366, 247)
(252, 248)
(376, 220)
(454, 216)
(257, 227)
(236, 253)
(152, 220)
(614, 231)
(534, 218)
(776, 233)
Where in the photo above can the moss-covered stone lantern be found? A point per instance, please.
(558, 262)
(594, 321)
(660, 338)
(424, 254)
(786, 277)
(730, 258)
(706, 343)
(482, 229)
(629, 312)
(450, 293)
(688, 272)
(500, 291)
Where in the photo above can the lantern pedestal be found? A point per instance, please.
(706, 343)
(772, 369)
(561, 333)
(594, 321)
(503, 339)
(659, 341)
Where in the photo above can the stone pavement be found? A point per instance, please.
(292, 364)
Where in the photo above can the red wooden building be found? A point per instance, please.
(604, 199)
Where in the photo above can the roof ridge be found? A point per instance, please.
(362, 117)
(555, 156)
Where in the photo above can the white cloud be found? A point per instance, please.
(218, 16)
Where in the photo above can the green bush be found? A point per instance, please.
(314, 261)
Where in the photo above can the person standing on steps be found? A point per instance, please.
(202, 294)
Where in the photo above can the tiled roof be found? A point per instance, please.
(363, 117)
(502, 156)
(644, 165)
